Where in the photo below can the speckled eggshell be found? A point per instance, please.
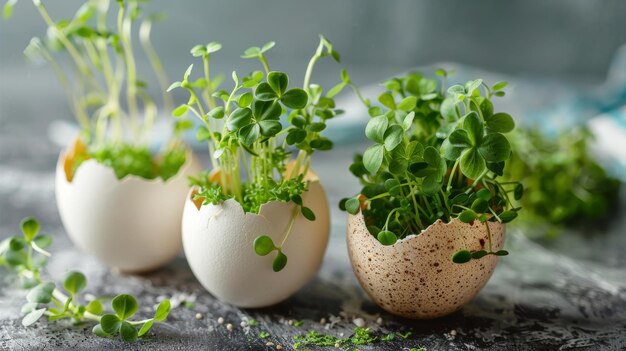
(218, 243)
(415, 277)
(132, 224)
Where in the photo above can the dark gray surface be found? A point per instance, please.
(569, 296)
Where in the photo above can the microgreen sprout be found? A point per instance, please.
(253, 130)
(112, 104)
(25, 255)
(437, 154)
(566, 185)
(359, 337)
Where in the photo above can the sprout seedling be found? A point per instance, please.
(437, 153)
(26, 256)
(252, 131)
(112, 104)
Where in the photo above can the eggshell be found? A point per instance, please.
(218, 242)
(132, 224)
(415, 277)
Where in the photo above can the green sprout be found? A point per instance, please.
(111, 103)
(252, 131)
(26, 256)
(437, 153)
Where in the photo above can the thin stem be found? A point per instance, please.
(124, 27)
(294, 215)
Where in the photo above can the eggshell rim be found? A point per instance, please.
(130, 177)
(359, 216)
(261, 208)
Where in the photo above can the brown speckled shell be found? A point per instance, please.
(415, 277)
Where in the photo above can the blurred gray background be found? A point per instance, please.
(574, 39)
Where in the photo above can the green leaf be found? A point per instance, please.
(307, 213)
(296, 136)
(280, 261)
(472, 85)
(448, 109)
(479, 205)
(266, 110)
(353, 206)
(7, 10)
(239, 118)
(128, 332)
(249, 134)
(267, 46)
(387, 238)
(213, 46)
(33, 317)
(295, 98)
(17, 243)
(42, 293)
(376, 128)
(43, 241)
(518, 192)
(459, 199)
(263, 245)
(98, 331)
(95, 307)
(472, 164)
(430, 185)
(462, 256)
(198, 50)
(467, 216)
(373, 158)
(251, 52)
(501, 123)
(479, 254)
(495, 148)
(431, 156)
(317, 127)
(265, 92)
(74, 282)
(336, 90)
(162, 310)
(145, 327)
(460, 139)
(501, 253)
(387, 100)
(30, 228)
(408, 103)
(216, 113)
(110, 323)
(270, 128)
(125, 306)
(499, 86)
(278, 81)
(393, 136)
(203, 134)
(507, 216)
(484, 194)
(187, 73)
(244, 100)
(408, 121)
(474, 127)
(321, 143)
(174, 86)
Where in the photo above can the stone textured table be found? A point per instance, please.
(569, 293)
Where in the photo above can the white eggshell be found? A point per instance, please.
(415, 277)
(132, 224)
(218, 242)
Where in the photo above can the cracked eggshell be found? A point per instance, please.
(218, 243)
(415, 277)
(132, 224)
